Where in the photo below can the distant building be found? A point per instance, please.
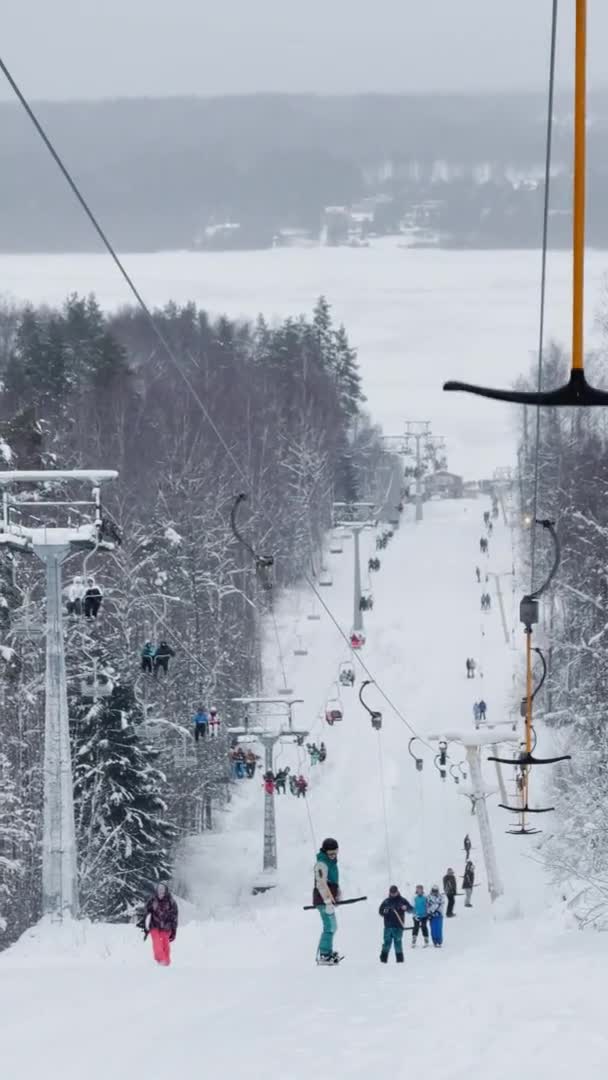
(444, 485)
(335, 226)
(471, 489)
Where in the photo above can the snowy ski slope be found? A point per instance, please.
(511, 992)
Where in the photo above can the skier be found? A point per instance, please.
(478, 574)
(322, 753)
(473, 666)
(467, 845)
(75, 593)
(486, 517)
(161, 658)
(468, 663)
(147, 656)
(420, 917)
(393, 911)
(482, 709)
(280, 781)
(200, 721)
(476, 713)
(435, 910)
(238, 762)
(160, 921)
(268, 783)
(214, 721)
(468, 882)
(250, 764)
(302, 785)
(325, 894)
(314, 753)
(92, 599)
(450, 889)
(293, 784)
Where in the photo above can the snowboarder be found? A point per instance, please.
(467, 845)
(302, 786)
(420, 906)
(75, 594)
(200, 721)
(450, 889)
(147, 656)
(478, 574)
(160, 921)
(322, 753)
(393, 911)
(468, 882)
(435, 910)
(214, 721)
(482, 709)
(161, 658)
(325, 894)
(92, 599)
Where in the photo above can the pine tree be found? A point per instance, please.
(348, 379)
(124, 839)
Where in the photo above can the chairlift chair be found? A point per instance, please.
(300, 649)
(96, 685)
(357, 639)
(419, 761)
(346, 674)
(325, 579)
(333, 711)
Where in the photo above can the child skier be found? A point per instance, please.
(420, 917)
(393, 911)
(435, 910)
(160, 921)
(325, 894)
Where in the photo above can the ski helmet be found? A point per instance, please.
(329, 844)
(394, 891)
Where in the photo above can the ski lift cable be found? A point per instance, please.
(543, 279)
(154, 327)
(384, 810)
(280, 649)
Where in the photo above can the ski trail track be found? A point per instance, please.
(510, 990)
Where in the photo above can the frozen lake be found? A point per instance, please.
(417, 317)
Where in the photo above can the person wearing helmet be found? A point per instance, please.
(325, 894)
(214, 721)
(160, 921)
(435, 910)
(393, 911)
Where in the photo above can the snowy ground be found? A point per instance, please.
(513, 991)
(418, 317)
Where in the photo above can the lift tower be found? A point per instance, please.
(52, 545)
(355, 516)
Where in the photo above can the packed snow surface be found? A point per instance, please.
(513, 991)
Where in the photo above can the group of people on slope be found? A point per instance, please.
(83, 597)
(155, 659)
(205, 720)
(426, 909)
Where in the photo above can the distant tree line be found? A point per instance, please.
(159, 171)
(80, 389)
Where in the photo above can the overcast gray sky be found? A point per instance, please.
(109, 48)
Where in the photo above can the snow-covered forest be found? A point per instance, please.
(80, 388)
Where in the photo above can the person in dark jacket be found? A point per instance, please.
(450, 889)
(92, 598)
(467, 845)
(160, 921)
(147, 657)
(161, 658)
(393, 911)
(468, 882)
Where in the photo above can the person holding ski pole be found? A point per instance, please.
(160, 921)
(420, 917)
(435, 910)
(325, 894)
(467, 845)
(393, 911)
(468, 882)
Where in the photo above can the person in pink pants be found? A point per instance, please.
(160, 920)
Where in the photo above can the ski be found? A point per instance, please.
(336, 903)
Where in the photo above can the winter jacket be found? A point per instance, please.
(164, 652)
(202, 717)
(148, 650)
(435, 904)
(327, 880)
(468, 880)
(420, 906)
(94, 592)
(161, 914)
(450, 887)
(393, 911)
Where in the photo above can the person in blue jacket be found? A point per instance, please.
(393, 911)
(421, 917)
(201, 722)
(435, 913)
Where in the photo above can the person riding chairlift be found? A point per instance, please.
(92, 598)
(75, 594)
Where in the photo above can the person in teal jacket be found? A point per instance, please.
(325, 894)
(421, 917)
